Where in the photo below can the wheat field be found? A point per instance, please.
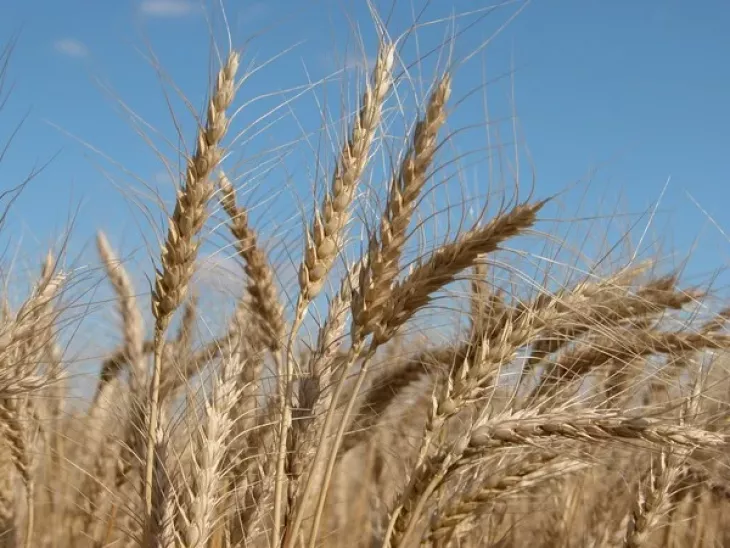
(565, 405)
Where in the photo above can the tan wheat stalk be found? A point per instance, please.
(415, 291)
(612, 304)
(378, 269)
(324, 243)
(326, 236)
(530, 425)
(466, 379)
(260, 475)
(8, 517)
(132, 355)
(471, 369)
(23, 348)
(162, 531)
(181, 248)
(525, 428)
(315, 391)
(678, 361)
(243, 453)
(18, 430)
(19, 340)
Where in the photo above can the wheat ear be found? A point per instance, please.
(208, 473)
(466, 506)
(325, 238)
(260, 279)
(383, 259)
(652, 501)
(132, 321)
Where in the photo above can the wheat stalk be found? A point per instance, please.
(323, 244)
(181, 248)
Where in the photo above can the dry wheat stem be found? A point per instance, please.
(324, 244)
(316, 390)
(180, 250)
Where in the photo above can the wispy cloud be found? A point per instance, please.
(356, 60)
(71, 47)
(167, 8)
(351, 61)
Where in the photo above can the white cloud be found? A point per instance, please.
(71, 47)
(167, 8)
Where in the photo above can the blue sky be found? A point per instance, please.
(626, 94)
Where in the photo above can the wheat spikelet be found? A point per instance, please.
(589, 425)
(635, 343)
(416, 289)
(611, 304)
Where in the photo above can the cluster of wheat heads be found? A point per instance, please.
(589, 414)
